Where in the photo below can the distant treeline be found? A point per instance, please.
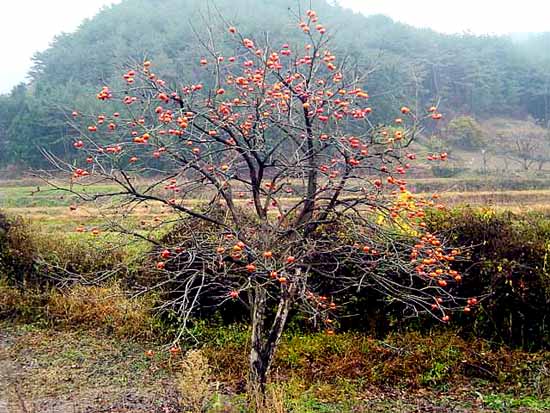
(486, 76)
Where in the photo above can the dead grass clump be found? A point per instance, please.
(18, 304)
(194, 382)
(107, 307)
(273, 401)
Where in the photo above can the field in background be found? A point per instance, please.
(34, 200)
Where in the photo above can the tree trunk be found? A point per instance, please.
(258, 367)
(264, 341)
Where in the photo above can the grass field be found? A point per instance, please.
(50, 206)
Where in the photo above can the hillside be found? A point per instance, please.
(482, 76)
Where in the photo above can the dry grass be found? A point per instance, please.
(57, 215)
(107, 308)
(274, 401)
(193, 382)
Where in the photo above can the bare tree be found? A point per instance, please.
(523, 142)
(280, 191)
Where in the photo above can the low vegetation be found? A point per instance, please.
(118, 342)
(313, 372)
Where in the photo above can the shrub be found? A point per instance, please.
(78, 257)
(29, 256)
(508, 264)
(21, 305)
(466, 133)
(17, 249)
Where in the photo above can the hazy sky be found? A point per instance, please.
(457, 16)
(27, 26)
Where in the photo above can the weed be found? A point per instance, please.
(193, 382)
(106, 308)
(506, 402)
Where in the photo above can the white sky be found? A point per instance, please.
(27, 26)
(457, 16)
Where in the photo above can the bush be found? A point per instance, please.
(21, 305)
(508, 264)
(466, 133)
(79, 256)
(17, 249)
(29, 256)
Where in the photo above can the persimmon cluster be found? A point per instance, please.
(284, 134)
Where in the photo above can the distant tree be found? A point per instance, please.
(5, 119)
(11, 105)
(466, 133)
(524, 142)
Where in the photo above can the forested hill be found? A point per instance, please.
(484, 76)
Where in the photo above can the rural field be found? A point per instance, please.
(94, 347)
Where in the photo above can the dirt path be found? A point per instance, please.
(66, 372)
(6, 370)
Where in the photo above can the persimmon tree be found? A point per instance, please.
(281, 193)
